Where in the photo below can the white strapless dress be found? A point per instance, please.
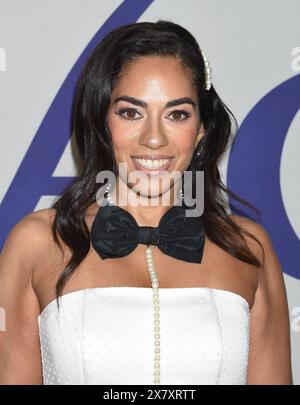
(105, 335)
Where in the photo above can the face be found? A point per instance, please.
(154, 121)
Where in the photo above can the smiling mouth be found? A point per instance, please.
(151, 165)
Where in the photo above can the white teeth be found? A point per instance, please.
(152, 164)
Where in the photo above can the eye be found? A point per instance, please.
(127, 110)
(179, 113)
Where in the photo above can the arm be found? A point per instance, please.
(19, 344)
(269, 351)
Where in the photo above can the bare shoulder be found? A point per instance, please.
(33, 228)
(270, 349)
(29, 238)
(259, 232)
(271, 281)
(40, 218)
(249, 224)
(19, 345)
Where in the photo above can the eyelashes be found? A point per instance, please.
(133, 111)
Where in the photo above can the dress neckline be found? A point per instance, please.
(162, 290)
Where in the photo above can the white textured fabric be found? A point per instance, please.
(105, 335)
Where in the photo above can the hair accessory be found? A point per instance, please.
(207, 71)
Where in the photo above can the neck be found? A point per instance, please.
(147, 210)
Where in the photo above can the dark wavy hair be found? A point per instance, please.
(104, 67)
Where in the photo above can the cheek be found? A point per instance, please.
(185, 141)
(120, 139)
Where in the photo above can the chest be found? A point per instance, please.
(218, 269)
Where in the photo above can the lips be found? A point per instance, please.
(151, 165)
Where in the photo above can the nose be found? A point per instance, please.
(153, 136)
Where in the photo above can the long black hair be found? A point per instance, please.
(101, 72)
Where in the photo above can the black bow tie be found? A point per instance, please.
(115, 233)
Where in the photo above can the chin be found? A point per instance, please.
(154, 193)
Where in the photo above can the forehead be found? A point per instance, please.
(155, 75)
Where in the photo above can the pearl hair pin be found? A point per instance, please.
(207, 71)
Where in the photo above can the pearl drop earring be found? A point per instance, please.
(107, 193)
(181, 193)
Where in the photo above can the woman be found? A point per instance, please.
(148, 295)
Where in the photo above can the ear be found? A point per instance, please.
(200, 135)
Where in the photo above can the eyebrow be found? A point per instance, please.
(141, 103)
